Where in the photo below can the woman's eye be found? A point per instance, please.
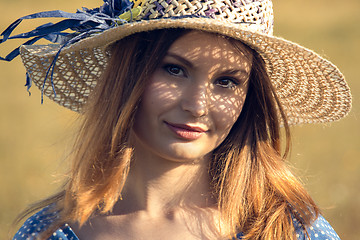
(226, 83)
(174, 70)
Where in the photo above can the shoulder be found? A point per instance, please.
(40, 222)
(320, 229)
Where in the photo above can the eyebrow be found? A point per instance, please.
(181, 59)
(191, 65)
(235, 72)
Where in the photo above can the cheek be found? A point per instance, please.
(226, 110)
(157, 99)
(159, 93)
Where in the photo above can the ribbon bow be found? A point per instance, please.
(83, 23)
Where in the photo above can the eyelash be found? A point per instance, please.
(231, 84)
(170, 67)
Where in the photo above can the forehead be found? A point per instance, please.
(202, 45)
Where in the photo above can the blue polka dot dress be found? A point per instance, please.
(319, 230)
(39, 222)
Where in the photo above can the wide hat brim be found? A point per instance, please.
(310, 88)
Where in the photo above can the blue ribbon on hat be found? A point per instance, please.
(83, 23)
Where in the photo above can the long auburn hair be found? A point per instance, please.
(256, 192)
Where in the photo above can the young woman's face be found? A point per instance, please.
(193, 98)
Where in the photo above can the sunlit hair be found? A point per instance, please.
(256, 192)
(102, 157)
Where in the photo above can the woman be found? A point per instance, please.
(181, 133)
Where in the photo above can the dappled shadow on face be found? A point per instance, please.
(202, 81)
(216, 82)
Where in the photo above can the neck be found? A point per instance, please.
(158, 186)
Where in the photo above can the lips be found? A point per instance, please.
(187, 132)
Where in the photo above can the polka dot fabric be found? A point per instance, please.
(319, 230)
(38, 223)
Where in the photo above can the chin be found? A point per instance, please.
(186, 154)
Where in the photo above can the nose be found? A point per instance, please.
(196, 100)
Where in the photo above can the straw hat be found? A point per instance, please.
(310, 88)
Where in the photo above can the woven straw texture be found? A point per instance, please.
(310, 88)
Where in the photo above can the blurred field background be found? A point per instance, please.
(34, 138)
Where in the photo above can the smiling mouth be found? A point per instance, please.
(185, 131)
